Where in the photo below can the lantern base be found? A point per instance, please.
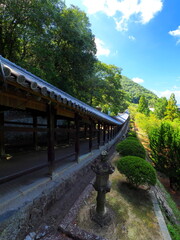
(101, 219)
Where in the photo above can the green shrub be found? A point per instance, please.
(137, 170)
(174, 231)
(131, 147)
(132, 134)
(132, 138)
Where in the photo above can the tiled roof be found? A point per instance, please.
(29, 80)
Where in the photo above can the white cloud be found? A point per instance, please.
(142, 10)
(132, 38)
(176, 33)
(101, 49)
(167, 94)
(176, 87)
(138, 80)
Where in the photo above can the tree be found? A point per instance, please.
(106, 90)
(50, 40)
(20, 23)
(135, 91)
(165, 146)
(171, 109)
(143, 106)
(160, 107)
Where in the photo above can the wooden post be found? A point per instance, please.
(2, 145)
(99, 134)
(90, 135)
(51, 152)
(111, 137)
(104, 133)
(35, 136)
(77, 145)
(115, 130)
(68, 126)
(55, 131)
(85, 130)
(112, 131)
(108, 133)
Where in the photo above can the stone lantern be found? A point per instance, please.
(102, 185)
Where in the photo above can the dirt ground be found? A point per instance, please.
(132, 213)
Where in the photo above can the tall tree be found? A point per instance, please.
(143, 106)
(50, 40)
(171, 109)
(160, 107)
(106, 91)
(165, 146)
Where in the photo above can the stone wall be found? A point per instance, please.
(16, 224)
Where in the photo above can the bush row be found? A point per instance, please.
(133, 164)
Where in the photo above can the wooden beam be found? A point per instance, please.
(11, 100)
(65, 112)
(51, 152)
(24, 129)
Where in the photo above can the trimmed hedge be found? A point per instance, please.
(131, 147)
(137, 170)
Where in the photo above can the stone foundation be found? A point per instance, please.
(17, 223)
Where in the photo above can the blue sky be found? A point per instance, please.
(140, 36)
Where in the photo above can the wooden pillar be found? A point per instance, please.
(85, 130)
(99, 134)
(55, 131)
(68, 130)
(77, 145)
(90, 135)
(35, 134)
(116, 130)
(111, 136)
(104, 133)
(51, 152)
(2, 144)
(108, 133)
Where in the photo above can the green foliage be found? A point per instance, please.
(132, 134)
(160, 107)
(133, 111)
(50, 40)
(146, 122)
(143, 106)
(137, 170)
(56, 43)
(165, 146)
(135, 91)
(106, 90)
(130, 147)
(174, 231)
(171, 109)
